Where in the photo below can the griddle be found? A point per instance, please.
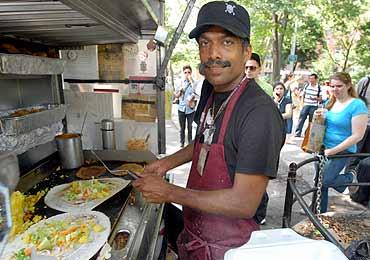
(113, 207)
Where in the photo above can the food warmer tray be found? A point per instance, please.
(23, 124)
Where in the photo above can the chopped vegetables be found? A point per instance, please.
(82, 191)
(23, 254)
(60, 236)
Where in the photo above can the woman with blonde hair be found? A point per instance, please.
(346, 120)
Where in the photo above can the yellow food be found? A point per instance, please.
(17, 209)
(136, 144)
(23, 208)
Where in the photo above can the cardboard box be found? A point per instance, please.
(111, 62)
(141, 108)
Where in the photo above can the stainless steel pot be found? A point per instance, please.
(70, 150)
(107, 130)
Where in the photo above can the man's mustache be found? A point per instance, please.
(210, 63)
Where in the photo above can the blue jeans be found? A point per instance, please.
(182, 120)
(306, 111)
(331, 177)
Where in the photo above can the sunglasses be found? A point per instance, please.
(251, 68)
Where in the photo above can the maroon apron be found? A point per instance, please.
(208, 236)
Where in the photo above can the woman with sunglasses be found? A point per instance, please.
(284, 104)
(346, 120)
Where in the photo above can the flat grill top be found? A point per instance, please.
(113, 207)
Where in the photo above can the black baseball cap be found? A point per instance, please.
(228, 15)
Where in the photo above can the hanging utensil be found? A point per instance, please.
(147, 138)
(83, 123)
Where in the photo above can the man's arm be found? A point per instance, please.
(161, 166)
(180, 157)
(240, 201)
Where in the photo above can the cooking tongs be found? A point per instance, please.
(133, 175)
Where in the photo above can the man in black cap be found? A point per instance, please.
(236, 150)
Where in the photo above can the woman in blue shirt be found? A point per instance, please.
(346, 120)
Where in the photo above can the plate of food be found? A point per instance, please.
(71, 236)
(79, 196)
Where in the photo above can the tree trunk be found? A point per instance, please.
(283, 22)
(275, 49)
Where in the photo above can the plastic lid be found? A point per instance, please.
(283, 244)
(107, 124)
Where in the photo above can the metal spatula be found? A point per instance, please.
(132, 174)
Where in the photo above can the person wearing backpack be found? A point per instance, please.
(361, 167)
(311, 96)
(364, 93)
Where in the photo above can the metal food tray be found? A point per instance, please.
(23, 124)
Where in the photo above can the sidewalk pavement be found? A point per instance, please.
(276, 189)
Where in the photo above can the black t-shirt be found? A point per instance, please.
(255, 133)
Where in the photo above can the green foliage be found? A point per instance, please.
(362, 50)
(342, 22)
(318, 21)
(324, 66)
(310, 37)
(186, 50)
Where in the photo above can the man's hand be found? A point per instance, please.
(155, 168)
(154, 188)
(189, 78)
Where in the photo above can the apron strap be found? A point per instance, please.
(229, 110)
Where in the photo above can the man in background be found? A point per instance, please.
(311, 96)
(187, 103)
(361, 166)
(253, 71)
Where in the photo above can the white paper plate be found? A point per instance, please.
(54, 199)
(83, 252)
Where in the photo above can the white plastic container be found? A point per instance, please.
(283, 244)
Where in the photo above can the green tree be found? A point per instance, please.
(362, 57)
(273, 26)
(310, 38)
(342, 22)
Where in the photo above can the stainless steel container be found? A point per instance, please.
(70, 150)
(107, 130)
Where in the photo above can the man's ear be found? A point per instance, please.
(247, 53)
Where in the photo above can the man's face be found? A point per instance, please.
(312, 80)
(223, 58)
(252, 70)
(187, 74)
